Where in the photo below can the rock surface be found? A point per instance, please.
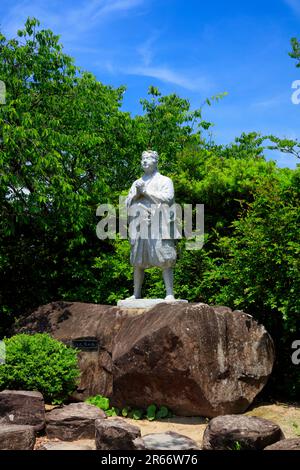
(115, 434)
(191, 358)
(146, 303)
(285, 444)
(16, 437)
(72, 422)
(240, 433)
(165, 441)
(54, 445)
(22, 407)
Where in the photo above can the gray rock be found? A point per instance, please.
(285, 444)
(139, 444)
(166, 441)
(240, 433)
(72, 422)
(16, 437)
(54, 445)
(22, 407)
(116, 434)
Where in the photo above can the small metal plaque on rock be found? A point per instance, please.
(86, 344)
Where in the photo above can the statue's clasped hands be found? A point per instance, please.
(140, 186)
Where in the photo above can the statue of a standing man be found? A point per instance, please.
(152, 193)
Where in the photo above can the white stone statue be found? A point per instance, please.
(150, 194)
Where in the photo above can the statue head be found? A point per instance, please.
(149, 161)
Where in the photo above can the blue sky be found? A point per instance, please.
(192, 47)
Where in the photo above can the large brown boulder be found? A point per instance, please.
(16, 437)
(72, 422)
(22, 407)
(193, 358)
(240, 433)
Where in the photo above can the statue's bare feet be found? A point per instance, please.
(170, 298)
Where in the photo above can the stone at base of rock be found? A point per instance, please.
(22, 407)
(115, 434)
(237, 432)
(147, 303)
(165, 441)
(62, 445)
(16, 437)
(285, 444)
(73, 422)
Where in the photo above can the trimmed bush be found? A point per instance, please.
(39, 362)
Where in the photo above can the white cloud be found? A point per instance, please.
(67, 21)
(165, 74)
(147, 66)
(145, 50)
(111, 6)
(272, 102)
(87, 16)
(71, 22)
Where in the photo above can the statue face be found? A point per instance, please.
(148, 162)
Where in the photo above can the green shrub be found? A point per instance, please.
(39, 362)
(99, 401)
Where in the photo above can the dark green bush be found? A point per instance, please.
(39, 362)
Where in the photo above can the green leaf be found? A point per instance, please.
(151, 410)
(162, 412)
(137, 414)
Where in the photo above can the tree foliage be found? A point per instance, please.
(295, 53)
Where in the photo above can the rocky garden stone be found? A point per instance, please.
(116, 434)
(72, 422)
(165, 441)
(285, 444)
(22, 407)
(235, 432)
(16, 437)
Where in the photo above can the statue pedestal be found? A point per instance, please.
(196, 359)
(147, 303)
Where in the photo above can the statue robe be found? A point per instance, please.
(152, 223)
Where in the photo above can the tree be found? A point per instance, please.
(260, 269)
(62, 144)
(169, 125)
(295, 53)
